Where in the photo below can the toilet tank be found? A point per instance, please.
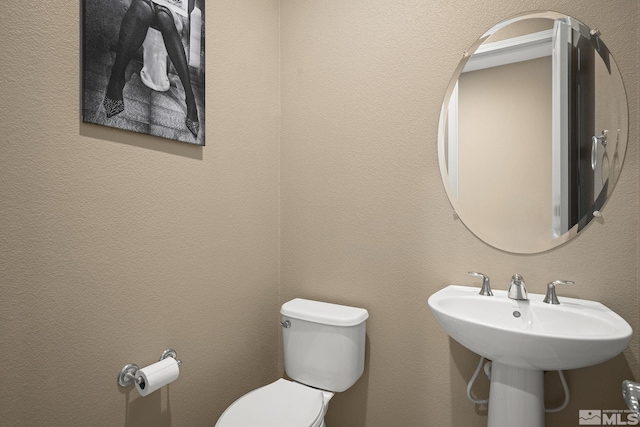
(323, 343)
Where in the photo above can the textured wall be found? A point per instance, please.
(365, 220)
(115, 246)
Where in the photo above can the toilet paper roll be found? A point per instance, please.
(158, 375)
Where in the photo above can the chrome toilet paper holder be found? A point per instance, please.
(127, 375)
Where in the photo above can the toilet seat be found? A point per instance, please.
(280, 404)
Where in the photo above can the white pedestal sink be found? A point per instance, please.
(525, 338)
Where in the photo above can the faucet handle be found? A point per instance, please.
(486, 283)
(551, 297)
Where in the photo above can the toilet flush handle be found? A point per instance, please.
(285, 324)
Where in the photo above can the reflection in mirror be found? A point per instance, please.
(533, 132)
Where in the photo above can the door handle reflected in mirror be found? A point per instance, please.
(594, 147)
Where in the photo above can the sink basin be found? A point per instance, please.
(531, 334)
(525, 338)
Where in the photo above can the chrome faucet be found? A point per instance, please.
(517, 289)
(486, 283)
(551, 297)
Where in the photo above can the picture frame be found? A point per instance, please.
(143, 67)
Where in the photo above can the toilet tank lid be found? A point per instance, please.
(324, 312)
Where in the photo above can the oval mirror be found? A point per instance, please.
(533, 132)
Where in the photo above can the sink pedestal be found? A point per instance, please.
(516, 397)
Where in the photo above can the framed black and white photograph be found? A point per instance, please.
(143, 66)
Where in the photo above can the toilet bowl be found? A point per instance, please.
(324, 347)
(281, 403)
(154, 58)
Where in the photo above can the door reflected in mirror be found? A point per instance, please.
(533, 132)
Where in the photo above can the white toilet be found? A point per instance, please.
(155, 57)
(323, 354)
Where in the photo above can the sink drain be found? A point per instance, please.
(516, 314)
